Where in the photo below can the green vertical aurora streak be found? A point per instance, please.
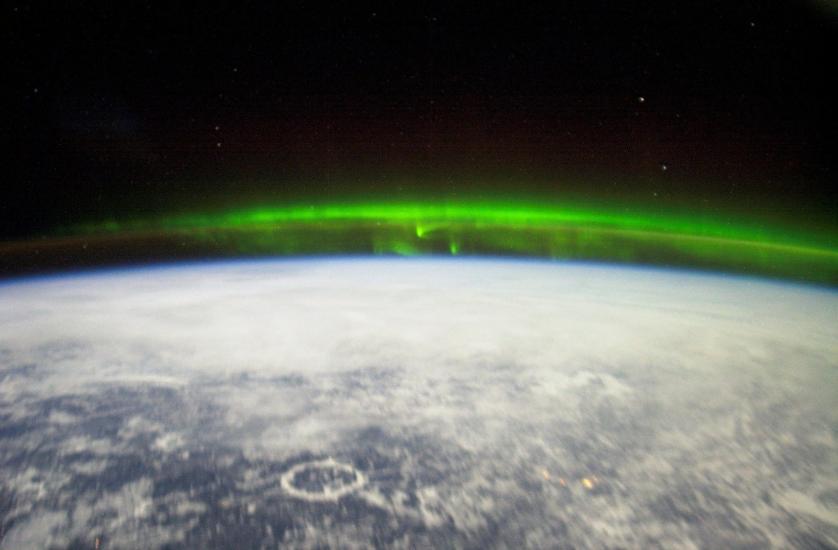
(505, 228)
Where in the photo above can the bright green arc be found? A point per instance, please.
(424, 215)
(514, 228)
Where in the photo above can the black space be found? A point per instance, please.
(120, 109)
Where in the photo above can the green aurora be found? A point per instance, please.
(547, 230)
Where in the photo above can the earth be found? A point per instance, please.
(417, 403)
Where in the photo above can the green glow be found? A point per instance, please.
(513, 228)
(430, 217)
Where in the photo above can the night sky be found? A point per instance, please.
(116, 112)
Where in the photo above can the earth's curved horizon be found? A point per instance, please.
(417, 403)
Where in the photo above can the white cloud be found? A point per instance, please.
(644, 378)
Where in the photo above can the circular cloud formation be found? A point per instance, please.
(324, 480)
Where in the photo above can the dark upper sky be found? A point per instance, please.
(116, 111)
